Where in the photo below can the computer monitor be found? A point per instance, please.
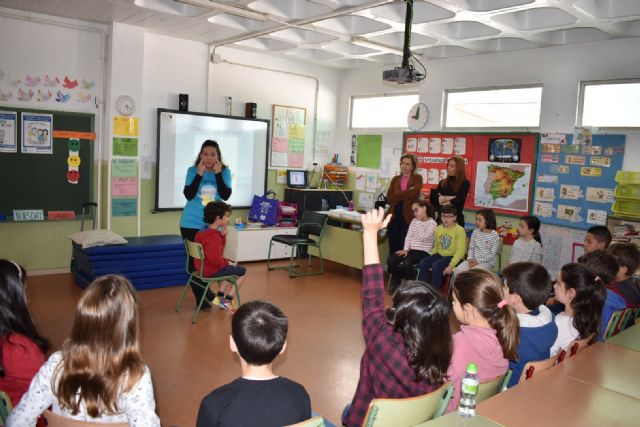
(297, 179)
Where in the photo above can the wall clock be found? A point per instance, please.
(125, 105)
(418, 117)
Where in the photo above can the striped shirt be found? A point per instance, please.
(421, 235)
(483, 247)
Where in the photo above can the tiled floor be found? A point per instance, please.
(187, 361)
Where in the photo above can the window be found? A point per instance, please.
(609, 104)
(515, 107)
(381, 111)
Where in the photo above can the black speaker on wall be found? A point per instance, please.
(183, 102)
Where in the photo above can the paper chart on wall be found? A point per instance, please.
(37, 133)
(8, 131)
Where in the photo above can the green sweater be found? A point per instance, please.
(451, 242)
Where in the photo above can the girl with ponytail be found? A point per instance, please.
(528, 248)
(489, 330)
(583, 295)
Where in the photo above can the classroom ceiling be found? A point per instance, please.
(360, 33)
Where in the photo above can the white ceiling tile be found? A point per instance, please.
(303, 36)
(463, 30)
(489, 5)
(387, 58)
(501, 44)
(573, 35)
(354, 25)
(172, 7)
(347, 48)
(316, 54)
(535, 19)
(422, 12)
(264, 43)
(632, 28)
(246, 24)
(447, 51)
(397, 39)
(289, 9)
(610, 9)
(351, 63)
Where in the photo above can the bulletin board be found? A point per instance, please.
(500, 166)
(288, 137)
(41, 181)
(575, 182)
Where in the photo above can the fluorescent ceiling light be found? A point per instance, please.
(228, 8)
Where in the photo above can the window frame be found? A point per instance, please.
(580, 109)
(404, 127)
(445, 104)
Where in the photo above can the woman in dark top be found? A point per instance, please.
(453, 189)
(404, 189)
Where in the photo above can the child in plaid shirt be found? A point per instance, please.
(404, 357)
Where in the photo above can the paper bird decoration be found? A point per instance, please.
(69, 84)
(44, 96)
(31, 81)
(49, 82)
(83, 97)
(24, 95)
(87, 85)
(63, 97)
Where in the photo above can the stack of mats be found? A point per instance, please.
(148, 262)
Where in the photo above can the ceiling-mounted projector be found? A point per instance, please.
(402, 75)
(406, 73)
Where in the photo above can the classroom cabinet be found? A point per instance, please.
(252, 244)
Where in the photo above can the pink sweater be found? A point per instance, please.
(480, 346)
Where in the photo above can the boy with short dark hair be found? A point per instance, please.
(627, 286)
(598, 237)
(213, 240)
(605, 266)
(527, 286)
(259, 397)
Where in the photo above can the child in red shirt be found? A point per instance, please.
(213, 239)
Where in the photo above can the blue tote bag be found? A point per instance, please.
(265, 209)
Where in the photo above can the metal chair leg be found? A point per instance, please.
(269, 255)
(184, 292)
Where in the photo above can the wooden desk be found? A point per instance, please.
(608, 366)
(454, 420)
(629, 338)
(553, 399)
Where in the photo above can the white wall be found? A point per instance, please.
(267, 80)
(559, 69)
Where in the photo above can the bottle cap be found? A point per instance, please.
(472, 368)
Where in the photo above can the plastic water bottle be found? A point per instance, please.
(468, 391)
(324, 204)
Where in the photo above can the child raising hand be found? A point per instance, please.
(408, 346)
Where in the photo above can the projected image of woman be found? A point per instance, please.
(208, 180)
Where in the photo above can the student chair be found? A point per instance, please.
(311, 422)
(613, 327)
(197, 277)
(540, 365)
(577, 345)
(55, 420)
(628, 317)
(408, 411)
(491, 388)
(311, 224)
(5, 407)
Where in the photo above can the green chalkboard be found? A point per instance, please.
(39, 181)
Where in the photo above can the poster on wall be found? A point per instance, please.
(576, 189)
(499, 166)
(8, 143)
(288, 137)
(37, 133)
